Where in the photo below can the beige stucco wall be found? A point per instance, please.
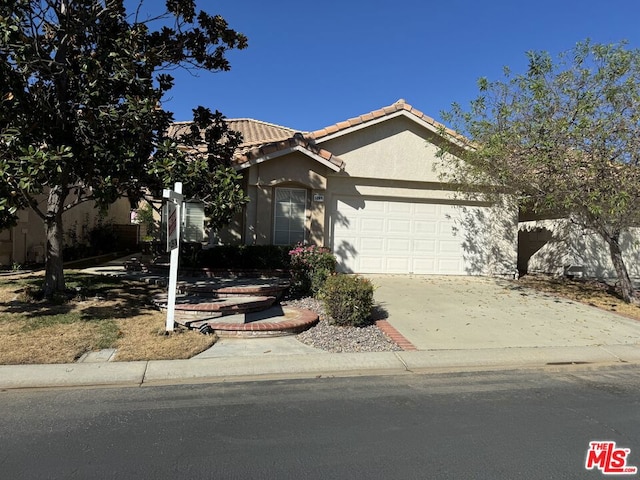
(490, 239)
(502, 239)
(26, 241)
(397, 149)
(556, 244)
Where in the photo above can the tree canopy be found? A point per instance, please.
(81, 118)
(563, 137)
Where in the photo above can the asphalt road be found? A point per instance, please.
(504, 425)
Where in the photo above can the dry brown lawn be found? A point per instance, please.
(589, 292)
(103, 312)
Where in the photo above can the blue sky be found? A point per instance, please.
(312, 64)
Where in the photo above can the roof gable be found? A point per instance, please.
(277, 149)
(399, 108)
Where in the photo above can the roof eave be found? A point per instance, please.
(408, 112)
(285, 151)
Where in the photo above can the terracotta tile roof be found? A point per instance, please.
(263, 138)
(297, 140)
(398, 106)
(254, 132)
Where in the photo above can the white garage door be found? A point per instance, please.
(406, 237)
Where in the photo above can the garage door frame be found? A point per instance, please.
(399, 238)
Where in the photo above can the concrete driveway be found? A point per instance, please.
(449, 313)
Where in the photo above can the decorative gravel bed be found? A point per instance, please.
(338, 339)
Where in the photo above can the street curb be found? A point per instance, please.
(281, 366)
(517, 357)
(72, 375)
(227, 369)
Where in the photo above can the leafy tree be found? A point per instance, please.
(564, 137)
(81, 84)
(145, 217)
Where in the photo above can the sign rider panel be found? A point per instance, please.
(172, 224)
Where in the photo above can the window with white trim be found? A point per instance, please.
(289, 217)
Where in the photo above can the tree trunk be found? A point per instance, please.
(54, 271)
(626, 287)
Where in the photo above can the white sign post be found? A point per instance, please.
(174, 207)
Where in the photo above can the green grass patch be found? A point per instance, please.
(35, 322)
(108, 334)
(75, 281)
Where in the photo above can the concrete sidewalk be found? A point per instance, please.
(226, 369)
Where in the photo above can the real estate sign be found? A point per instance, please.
(172, 226)
(174, 202)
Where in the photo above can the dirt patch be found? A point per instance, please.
(145, 339)
(590, 292)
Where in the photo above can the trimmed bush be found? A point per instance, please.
(348, 300)
(310, 267)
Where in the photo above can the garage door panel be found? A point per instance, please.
(372, 225)
(423, 266)
(447, 227)
(449, 265)
(426, 209)
(448, 247)
(424, 227)
(398, 246)
(423, 247)
(373, 207)
(397, 265)
(369, 244)
(399, 208)
(370, 264)
(400, 236)
(399, 227)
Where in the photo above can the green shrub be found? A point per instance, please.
(348, 300)
(310, 267)
(103, 238)
(146, 218)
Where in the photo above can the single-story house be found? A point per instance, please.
(370, 189)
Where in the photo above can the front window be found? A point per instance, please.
(290, 208)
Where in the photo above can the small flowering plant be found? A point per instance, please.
(310, 267)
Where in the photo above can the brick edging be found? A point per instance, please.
(390, 331)
(304, 319)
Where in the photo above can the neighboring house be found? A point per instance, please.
(369, 188)
(25, 243)
(559, 247)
